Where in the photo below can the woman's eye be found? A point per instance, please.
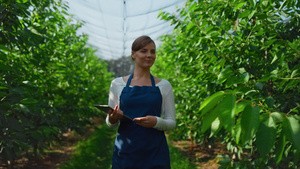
(145, 51)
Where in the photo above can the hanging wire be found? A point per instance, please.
(124, 26)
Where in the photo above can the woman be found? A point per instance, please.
(149, 101)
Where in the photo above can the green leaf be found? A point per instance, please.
(34, 31)
(277, 117)
(245, 77)
(3, 87)
(224, 110)
(22, 1)
(296, 155)
(265, 78)
(225, 163)
(269, 43)
(274, 59)
(227, 112)
(211, 102)
(224, 74)
(249, 123)
(295, 73)
(240, 106)
(280, 147)
(244, 14)
(266, 136)
(4, 49)
(209, 118)
(23, 108)
(29, 101)
(251, 92)
(291, 128)
(252, 3)
(265, 3)
(190, 26)
(251, 14)
(215, 127)
(22, 6)
(239, 6)
(259, 86)
(270, 101)
(238, 130)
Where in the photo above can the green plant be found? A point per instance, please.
(50, 77)
(234, 66)
(94, 152)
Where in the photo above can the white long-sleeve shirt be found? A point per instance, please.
(167, 119)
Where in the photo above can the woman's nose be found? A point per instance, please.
(149, 54)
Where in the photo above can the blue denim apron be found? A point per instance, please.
(137, 147)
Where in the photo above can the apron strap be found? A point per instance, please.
(129, 80)
(130, 77)
(152, 81)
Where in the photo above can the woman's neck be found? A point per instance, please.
(141, 74)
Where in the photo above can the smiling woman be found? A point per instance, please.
(143, 52)
(141, 143)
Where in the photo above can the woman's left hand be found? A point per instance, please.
(148, 121)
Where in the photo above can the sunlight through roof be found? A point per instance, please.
(112, 25)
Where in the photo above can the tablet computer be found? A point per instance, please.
(106, 109)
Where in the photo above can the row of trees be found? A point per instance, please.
(234, 66)
(50, 78)
(122, 66)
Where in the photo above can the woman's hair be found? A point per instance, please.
(141, 42)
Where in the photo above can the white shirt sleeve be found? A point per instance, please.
(115, 90)
(167, 119)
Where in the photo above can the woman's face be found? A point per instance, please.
(145, 57)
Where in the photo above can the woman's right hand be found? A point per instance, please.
(115, 115)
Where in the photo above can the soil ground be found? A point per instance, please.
(203, 157)
(52, 158)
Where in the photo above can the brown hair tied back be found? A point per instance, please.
(140, 42)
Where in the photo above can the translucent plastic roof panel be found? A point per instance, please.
(112, 25)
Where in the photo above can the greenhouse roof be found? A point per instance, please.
(112, 25)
